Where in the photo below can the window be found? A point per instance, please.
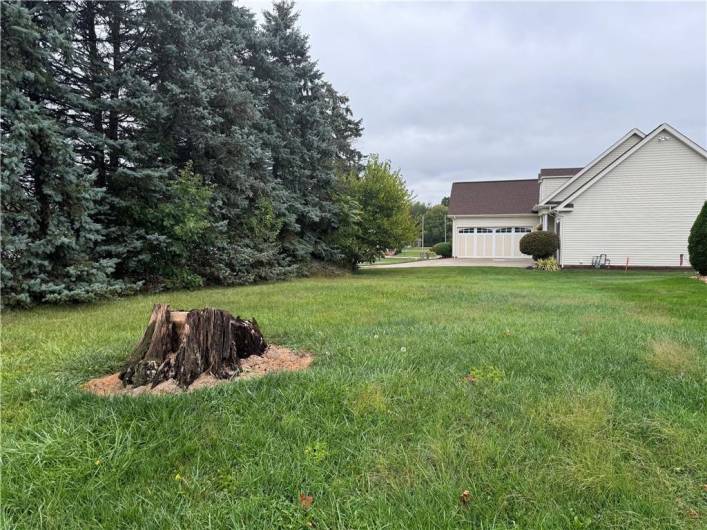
(521, 229)
(484, 230)
(504, 230)
(466, 230)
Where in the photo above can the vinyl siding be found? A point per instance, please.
(488, 221)
(599, 166)
(643, 209)
(549, 184)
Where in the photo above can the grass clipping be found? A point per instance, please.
(275, 359)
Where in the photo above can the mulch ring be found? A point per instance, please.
(275, 359)
(700, 278)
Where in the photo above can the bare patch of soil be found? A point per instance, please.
(700, 278)
(275, 359)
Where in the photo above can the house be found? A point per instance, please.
(635, 203)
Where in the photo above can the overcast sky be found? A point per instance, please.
(484, 91)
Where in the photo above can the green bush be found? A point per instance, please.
(697, 242)
(539, 244)
(547, 264)
(442, 249)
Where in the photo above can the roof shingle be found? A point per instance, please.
(496, 197)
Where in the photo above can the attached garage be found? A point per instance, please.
(489, 218)
(488, 241)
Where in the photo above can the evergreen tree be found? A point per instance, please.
(169, 143)
(205, 52)
(306, 114)
(49, 247)
(109, 75)
(697, 242)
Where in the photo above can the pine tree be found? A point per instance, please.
(697, 242)
(124, 120)
(109, 75)
(48, 200)
(303, 143)
(345, 129)
(205, 52)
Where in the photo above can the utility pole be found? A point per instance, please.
(423, 231)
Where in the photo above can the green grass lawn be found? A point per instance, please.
(588, 410)
(406, 255)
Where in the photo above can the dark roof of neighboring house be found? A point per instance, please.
(559, 171)
(495, 197)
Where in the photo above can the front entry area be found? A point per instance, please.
(500, 242)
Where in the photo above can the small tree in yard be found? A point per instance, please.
(540, 244)
(697, 242)
(378, 213)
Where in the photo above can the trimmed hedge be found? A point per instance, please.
(442, 249)
(697, 242)
(540, 244)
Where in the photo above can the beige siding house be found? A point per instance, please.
(634, 203)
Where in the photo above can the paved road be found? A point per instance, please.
(456, 262)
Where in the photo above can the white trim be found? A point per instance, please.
(474, 216)
(591, 164)
(664, 127)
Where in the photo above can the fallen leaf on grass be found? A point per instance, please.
(465, 497)
(471, 378)
(306, 501)
(693, 514)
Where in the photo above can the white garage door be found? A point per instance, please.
(489, 242)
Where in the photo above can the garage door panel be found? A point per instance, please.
(489, 242)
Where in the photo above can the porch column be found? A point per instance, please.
(545, 221)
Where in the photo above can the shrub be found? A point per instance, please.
(697, 242)
(539, 244)
(547, 264)
(442, 249)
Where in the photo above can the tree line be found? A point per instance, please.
(437, 228)
(152, 145)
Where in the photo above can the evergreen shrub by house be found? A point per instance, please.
(540, 244)
(697, 242)
(443, 249)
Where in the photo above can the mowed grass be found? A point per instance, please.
(587, 410)
(407, 255)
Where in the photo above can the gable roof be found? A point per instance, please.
(559, 171)
(661, 128)
(496, 197)
(591, 164)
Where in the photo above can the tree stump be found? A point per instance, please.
(182, 345)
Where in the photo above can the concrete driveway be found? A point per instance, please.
(456, 262)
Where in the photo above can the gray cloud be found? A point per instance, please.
(478, 91)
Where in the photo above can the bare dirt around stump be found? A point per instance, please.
(275, 359)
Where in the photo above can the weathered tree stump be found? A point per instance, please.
(182, 345)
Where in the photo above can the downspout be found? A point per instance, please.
(452, 217)
(558, 221)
